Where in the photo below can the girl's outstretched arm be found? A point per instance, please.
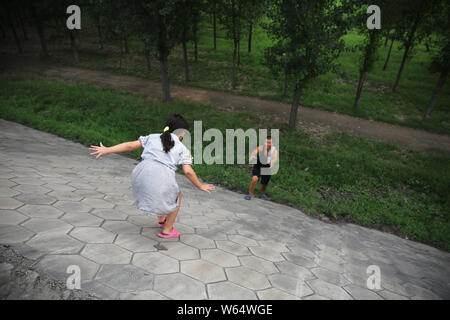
(118, 148)
(192, 176)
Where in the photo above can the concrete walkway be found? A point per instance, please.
(61, 207)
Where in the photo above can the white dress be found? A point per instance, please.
(155, 188)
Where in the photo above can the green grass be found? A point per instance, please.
(333, 91)
(373, 184)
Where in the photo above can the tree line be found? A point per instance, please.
(307, 35)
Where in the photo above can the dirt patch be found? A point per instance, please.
(20, 281)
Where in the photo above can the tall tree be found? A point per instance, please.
(8, 9)
(441, 59)
(38, 14)
(233, 15)
(309, 32)
(159, 22)
(412, 15)
(255, 12)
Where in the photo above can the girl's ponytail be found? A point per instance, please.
(166, 139)
(173, 123)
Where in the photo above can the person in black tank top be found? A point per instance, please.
(266, 155)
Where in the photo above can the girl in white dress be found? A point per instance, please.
(155, 189)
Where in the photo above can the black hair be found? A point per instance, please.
(174, 122)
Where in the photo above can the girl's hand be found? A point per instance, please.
(207, 188)
(99, 151)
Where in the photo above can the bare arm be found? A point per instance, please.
(118, 148)
(275, 158)
(254, 152)
(192, 176)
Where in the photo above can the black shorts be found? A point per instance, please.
(257, 172)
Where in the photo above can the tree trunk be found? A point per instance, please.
(388, 56)
(40, 29)
(22, 25)
(164, 78)
(234, 81)
(214, 25)
(99, 30)
(125, 41)
(407, 47)
(13, 29)
(195, 43)
(185, 57)
(437, 90)
(294, 108)
(387, 39)
(149, 65)
(239, 53)
(73, 46)
(120, 55)
(286, 84)
(362, 77)
(250, 38)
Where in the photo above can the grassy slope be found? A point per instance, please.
(372, 184)
(333, 92)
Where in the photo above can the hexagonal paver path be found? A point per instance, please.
(61, 207)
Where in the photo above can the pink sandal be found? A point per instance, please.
(162, 224)
(175, 233)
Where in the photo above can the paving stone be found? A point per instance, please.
(300, 250)
(181, 251)
(227, 290)
(142, 295)
(267, 254)
(10, 234)
(387, 295)
(135, 242)
(38, 225)
(419, 293)
(99, 290)
(145, 221)
(156, 263)
(245, 241)
(65, 195)
(9, 203)
(97, 203)
(300, 260)
(106, 254)
(274, 245)
(330, 276)
(27, 188)
(178, 286)
(119, 227)
(315, 297)
(56, 266)
(7, 183)
(82, 219)
(359, 293)
(109, 214)
(294, 286)
(35, 198)
(258, 264)
(275, 294)
(220, 257)
(8, 192)
(203, 271)
(41, 211)
(72, 206)
(248, 278)
(88, 194)
(329, 290)
(233, 248)
(93, 235)
(294, 270)
(59, 187)
(55, 243)
(125, 278)
(11, 217)
(197, 241)
(28, 180)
